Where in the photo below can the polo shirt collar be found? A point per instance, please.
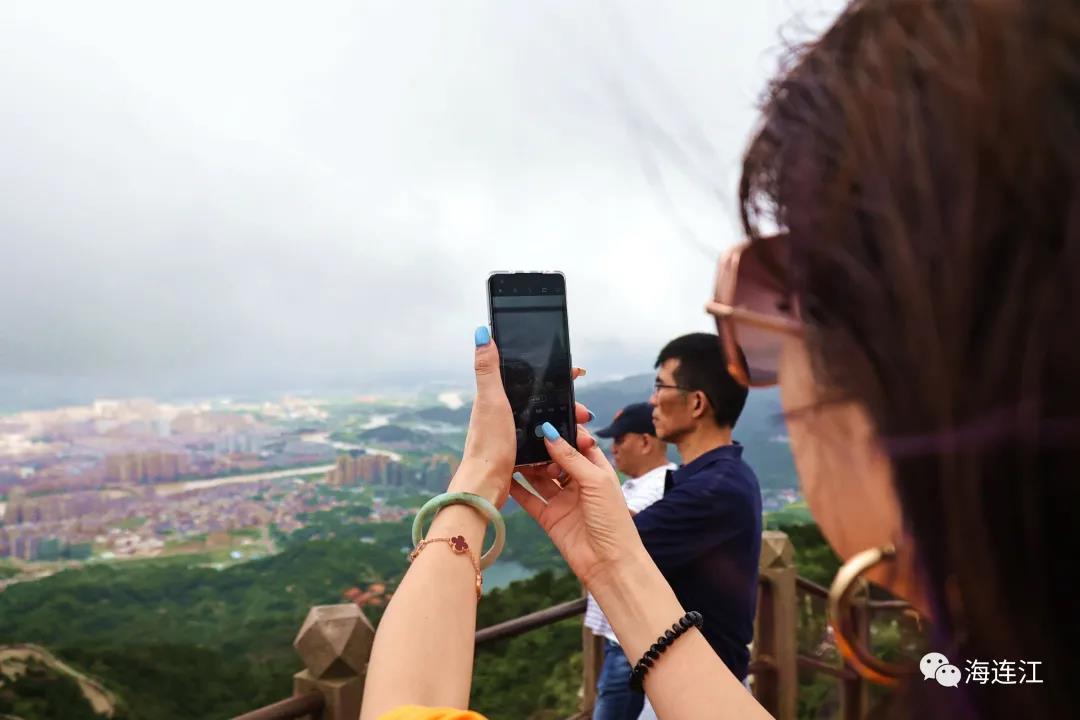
(732, 451)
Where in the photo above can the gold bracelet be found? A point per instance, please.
(460, 546)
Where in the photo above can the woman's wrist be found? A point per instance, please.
(636, 598)
(481, 478)
(464, 522)
(621, 573)
(459, 520)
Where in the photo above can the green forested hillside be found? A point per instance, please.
(38, 692)
(535, 676)
(173, 639)
(177, 640)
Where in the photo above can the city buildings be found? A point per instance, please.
(137, 478)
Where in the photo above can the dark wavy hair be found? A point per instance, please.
(924, 158)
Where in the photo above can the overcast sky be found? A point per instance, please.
(263, 196)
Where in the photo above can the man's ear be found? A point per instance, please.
(700, 405)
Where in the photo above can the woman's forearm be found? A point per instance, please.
(690, 680)
(423, 652)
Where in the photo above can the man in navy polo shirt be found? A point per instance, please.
(705, 533)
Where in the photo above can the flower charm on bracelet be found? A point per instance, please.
(459, 544)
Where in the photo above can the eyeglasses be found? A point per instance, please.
(658, 386)
(753, 310)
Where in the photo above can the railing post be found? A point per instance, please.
(774, 635)
(592, 659)
(856, 691)
(335, 643)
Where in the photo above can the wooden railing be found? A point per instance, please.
(532, 621)
(335, 643)
(299, 706)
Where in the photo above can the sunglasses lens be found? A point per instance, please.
(760, 287)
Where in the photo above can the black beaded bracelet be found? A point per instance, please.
(637, 675)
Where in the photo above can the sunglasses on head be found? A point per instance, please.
(753, 308)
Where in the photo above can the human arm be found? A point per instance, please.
(588, 522)
(423, 651)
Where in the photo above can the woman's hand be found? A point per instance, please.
(490, 447)
(585, 515)
(487, 464)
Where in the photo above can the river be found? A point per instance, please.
(504, 572)
(324, 438)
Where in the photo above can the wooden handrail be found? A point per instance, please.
(811, 587)
(764, 663)
(889, 605)
(809, 663)
(312, 703)
(525, 623)
(292, 708)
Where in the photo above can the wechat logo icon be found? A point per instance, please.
(936, 666)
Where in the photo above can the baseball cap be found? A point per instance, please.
(636, 418)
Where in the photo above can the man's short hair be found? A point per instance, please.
(702, 366)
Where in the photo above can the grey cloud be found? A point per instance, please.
(200, 195)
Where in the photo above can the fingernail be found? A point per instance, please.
(550, 432)
(482, 336)
(592, 416)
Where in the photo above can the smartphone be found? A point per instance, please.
(530, 327)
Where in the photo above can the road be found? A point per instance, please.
(179, 487)
(14, 659)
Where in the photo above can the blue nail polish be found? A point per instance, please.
(482, 336)
(550, 432)
(592, 416)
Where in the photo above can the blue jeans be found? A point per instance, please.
(614, 698)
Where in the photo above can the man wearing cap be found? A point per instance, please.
(642, 457)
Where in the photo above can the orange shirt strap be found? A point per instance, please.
(415, 712)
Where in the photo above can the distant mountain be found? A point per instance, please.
(762, 432)
(607, 398)
(760, 428)
(394, 434)
(403, 439)
(441, 413)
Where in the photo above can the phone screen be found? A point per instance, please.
(530, 327)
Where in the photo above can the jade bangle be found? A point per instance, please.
(488, 510)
